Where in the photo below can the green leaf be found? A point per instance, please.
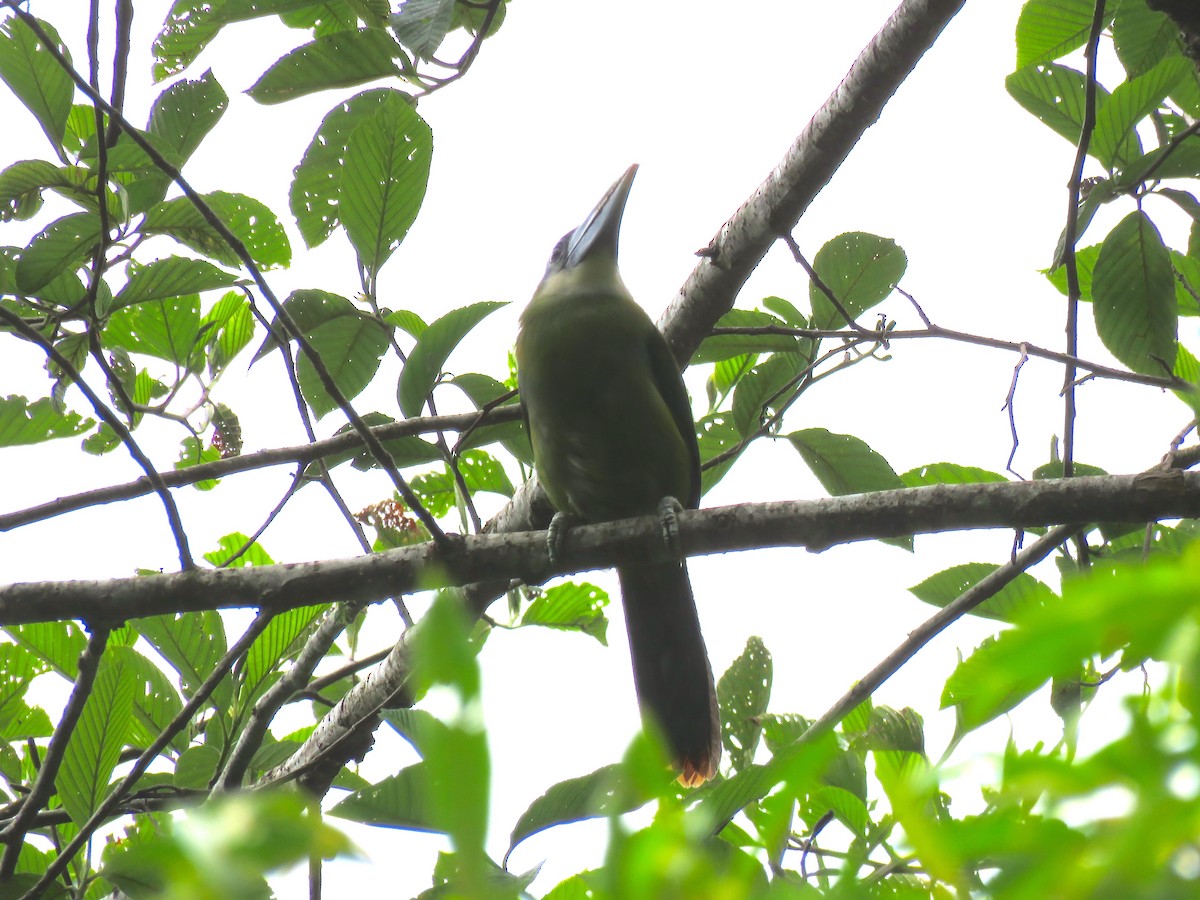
(1114, 141)
(235, 543)
(350, 347)
(948, 473)
(431, 351)
(1187, 367)
(234, 324)
(755, 395)
(843, 463)
(167, 329)
(174, 276)
(308, 309)
(421, 25)
(191, 643)
(480, 471)
(22, 422)
(782, 729)
(1135, 296)
(339, 60)
(573, 607)
(402, 800)
(155, 703)
(97, 740)
(604, 792)
(279, 641)
(315, 194)
(58, 643)
(1049, 29)
(417, 726)
(743, 692)
(191, 24)
(187, 111)
(249, 220)
(1055, 94)
(57, 249)
(716, 435)
(1011, 601)
(384, 179)
(35, 77)
(1143, 37)
(21, 186)
(860, 269)
(727, 346)
(1085, 264)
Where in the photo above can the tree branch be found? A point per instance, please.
(499, 558)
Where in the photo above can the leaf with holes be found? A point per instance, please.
(743, 692)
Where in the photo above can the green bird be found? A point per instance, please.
(611, 427)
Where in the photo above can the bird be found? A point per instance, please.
(610, 423)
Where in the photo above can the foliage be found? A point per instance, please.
(148, 292)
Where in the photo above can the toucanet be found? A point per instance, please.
(612, 433)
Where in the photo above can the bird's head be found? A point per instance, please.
(587, 256)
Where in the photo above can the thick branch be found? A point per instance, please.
(776, 206)
(499, 558)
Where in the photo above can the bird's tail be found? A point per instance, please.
(670, 665)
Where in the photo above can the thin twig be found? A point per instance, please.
(982, 590)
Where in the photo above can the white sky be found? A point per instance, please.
(707, 99)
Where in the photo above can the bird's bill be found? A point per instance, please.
(602, 227)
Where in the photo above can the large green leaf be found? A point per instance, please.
(743, 692)
(1115, 142)
(571, 606)
(22, 422)
(191, 643)
(191, 24)
(350, 348)
(1143, 37)
(99, 737)
(57, 250)
(58, 643)
(248, 219)
(274, 645)
(167, 329)
(1134, 293)
(726, 346)
(339, 60)
(384, 179)
(21, 186)
(948, 473)
(308, 309)
(860, 270)
(845, 464)
(1049, 29)
(402, 800)
(435, 345)
(315, 194)
(174, 276)
(421, 25)
(186, 111)
(1005, 605)
(35, 77)
(1055, 94)
(604, 792)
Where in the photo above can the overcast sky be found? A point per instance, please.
(706, 97)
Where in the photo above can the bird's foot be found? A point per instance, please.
(668, 516)
(556, 533)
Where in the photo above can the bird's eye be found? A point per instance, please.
(559, 254)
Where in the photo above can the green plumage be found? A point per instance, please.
(612, 435)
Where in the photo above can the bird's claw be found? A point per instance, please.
(668, 515)
(556, 533)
